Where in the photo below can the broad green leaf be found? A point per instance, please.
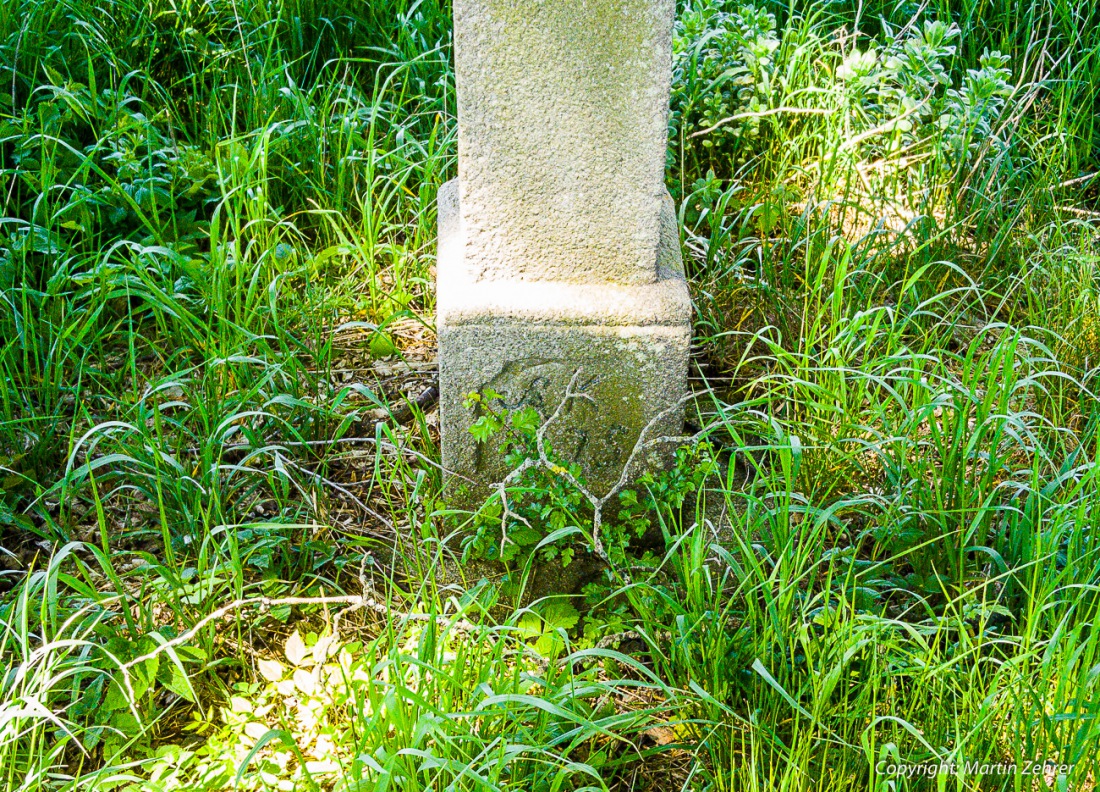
(141, 676)
(271, 670)
(296, 651)
(173, 679)
(561, 613)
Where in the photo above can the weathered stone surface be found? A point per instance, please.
(631, 373)
(463, 298)
(630, 344)
(563, 116)
(558, 246)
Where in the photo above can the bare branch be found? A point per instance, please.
(542, 460)
(354, 602)
(762, 114)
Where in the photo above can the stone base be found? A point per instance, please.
(526, 341)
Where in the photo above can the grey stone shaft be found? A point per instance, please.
(562, 119)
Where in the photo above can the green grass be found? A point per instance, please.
(226, 561)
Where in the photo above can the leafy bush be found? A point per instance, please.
(904, 93)
(884, 109)
(723, 67)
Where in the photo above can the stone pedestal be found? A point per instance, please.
(558, 248)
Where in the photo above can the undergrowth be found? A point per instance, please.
(227, 562)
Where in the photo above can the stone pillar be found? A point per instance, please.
(558, 248)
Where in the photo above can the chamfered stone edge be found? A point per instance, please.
(526, 341)
(463, 298)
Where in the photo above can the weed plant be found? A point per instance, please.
(227, 563)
